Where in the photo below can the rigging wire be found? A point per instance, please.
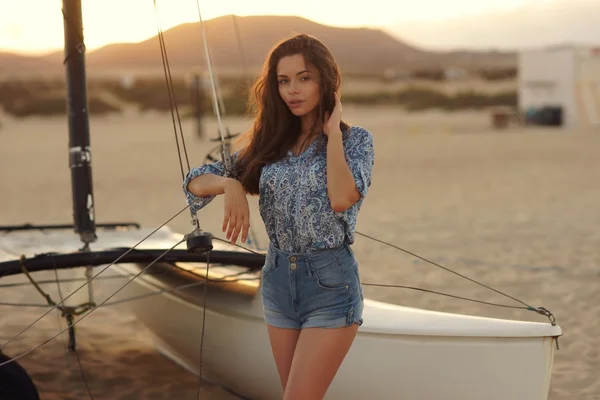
(252, 237)
(202, 331)
(215, 99)
(73, 323)
(539, 310)
(174, 111)
(69, 319)
(226, 158)
(226, 161)
(240, 45)
(59, 323)
(225, 279)
(225, 153)
(89, 280)
(171, 92)
(48, 282)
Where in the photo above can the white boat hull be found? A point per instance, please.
(399, 352)
(380, 365)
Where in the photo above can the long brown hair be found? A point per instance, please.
(276, 130)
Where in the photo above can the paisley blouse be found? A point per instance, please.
(293, 200)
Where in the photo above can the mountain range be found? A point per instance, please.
(356, 49)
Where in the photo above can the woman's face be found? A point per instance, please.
(298, 84)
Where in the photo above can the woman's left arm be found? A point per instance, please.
(349, 167)
(349, 162)
(341, 186)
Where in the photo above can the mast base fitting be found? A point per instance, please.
(199, 241)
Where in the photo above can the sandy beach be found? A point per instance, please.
(518, 210)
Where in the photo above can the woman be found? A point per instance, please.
(311, 172)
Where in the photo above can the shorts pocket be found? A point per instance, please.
(270, 264)
(330, 274)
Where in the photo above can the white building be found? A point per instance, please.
(566, 77)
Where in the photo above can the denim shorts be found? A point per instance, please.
(309, 290)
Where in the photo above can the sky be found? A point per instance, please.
(531, 25)
(36, 26)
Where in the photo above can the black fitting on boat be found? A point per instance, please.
(199, 241)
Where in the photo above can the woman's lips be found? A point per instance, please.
(295, 103)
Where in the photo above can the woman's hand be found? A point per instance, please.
(332, 122)
(237, 212)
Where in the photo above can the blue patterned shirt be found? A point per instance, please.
(293, 200)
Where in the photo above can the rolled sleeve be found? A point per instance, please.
(360, 156)
(196, 203)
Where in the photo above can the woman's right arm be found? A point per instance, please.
(207, 185)
(208, 182)
(204, 183)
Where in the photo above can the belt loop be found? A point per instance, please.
(308, 261)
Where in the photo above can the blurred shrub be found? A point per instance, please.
(23, 99)
(43, 98)
(11, 92)
(436, 74)
(414, 99)
(152, 94)
(49, 106)
(497, 74)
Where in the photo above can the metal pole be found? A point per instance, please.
(79, 135)
(198, 96)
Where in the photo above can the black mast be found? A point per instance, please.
(79, 132)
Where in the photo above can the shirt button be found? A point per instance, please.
(293, 266)
(293, 258)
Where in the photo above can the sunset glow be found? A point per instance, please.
(38, 28)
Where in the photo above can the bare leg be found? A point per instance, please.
(283, 344)
(318, 356)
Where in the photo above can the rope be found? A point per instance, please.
(66, 310)
(92, 310)
(55, 306)
(72, 339)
